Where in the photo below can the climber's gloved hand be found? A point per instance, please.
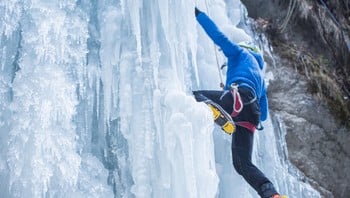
(197, 11)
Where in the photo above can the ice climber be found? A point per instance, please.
(247, 105)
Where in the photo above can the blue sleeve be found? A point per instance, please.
(229, 48)
(264, 107)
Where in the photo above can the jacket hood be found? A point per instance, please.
(258, 58)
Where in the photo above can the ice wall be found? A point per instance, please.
(95, 101)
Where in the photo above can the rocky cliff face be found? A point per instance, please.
(311, 88)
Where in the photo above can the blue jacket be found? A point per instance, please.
(243, 65)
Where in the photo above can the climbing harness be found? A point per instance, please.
(251, 127)
(238, 107)
(221, 117)
(237, 101)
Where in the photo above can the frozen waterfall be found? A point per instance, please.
(95, 101)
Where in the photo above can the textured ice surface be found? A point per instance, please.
(95, 101)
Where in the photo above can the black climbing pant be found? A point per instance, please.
(242, 138)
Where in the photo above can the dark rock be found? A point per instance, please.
(311, 86)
